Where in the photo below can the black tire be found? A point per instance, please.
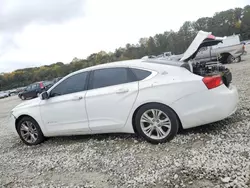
(230, 59)
(175, 124)
(40, 137)
(22, 97)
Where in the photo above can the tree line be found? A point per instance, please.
(225, 23)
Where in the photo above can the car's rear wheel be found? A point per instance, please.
(29, 131)
(230, 59)
(238, 59)
(156, 123)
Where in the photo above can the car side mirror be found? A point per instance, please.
(44, 95)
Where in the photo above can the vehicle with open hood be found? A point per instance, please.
(150, 97)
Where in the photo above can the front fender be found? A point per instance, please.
(35, 114)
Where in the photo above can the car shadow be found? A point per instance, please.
(215, 128)
(96, 137)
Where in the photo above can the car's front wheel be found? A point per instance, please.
(29, 131)
(156, 123)
(23, 97)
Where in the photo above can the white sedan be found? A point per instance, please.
(135, 96)
(3, 94)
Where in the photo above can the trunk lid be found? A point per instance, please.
(202, 39)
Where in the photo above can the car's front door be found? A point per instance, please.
(110, 98)
(64, 112)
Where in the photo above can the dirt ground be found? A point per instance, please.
(214, 155)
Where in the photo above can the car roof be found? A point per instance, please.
(136, 63)
(112, 64)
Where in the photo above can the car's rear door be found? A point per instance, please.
(64, 112)
(110, 97)
(26, 92)
(33, 90)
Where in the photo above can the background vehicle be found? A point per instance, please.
(12, 92)
(48, 84)
(20, 89)
(230, 50)
(165, 55)
(245, 42)
(3, 94)
(35, 89)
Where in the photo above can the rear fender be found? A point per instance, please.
(166, 94)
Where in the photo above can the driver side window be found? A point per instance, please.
(73, 84)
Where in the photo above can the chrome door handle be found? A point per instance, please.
(122, 91)
(77, 98)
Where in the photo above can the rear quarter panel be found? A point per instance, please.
(166, 89)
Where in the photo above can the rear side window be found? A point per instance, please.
(34, 86)
(28, 88)
(73, 84)
(109, 77)
(141, 74)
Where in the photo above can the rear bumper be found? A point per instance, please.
(207, 107)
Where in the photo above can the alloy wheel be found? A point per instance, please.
(29, 132)
(155, 124)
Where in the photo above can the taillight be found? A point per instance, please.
(41, 85)
(211, 37)
(212, 81)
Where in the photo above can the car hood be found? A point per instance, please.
(30, 103)
(202, 39)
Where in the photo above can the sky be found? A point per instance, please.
(42, 32)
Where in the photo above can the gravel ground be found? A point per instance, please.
(215, 155)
